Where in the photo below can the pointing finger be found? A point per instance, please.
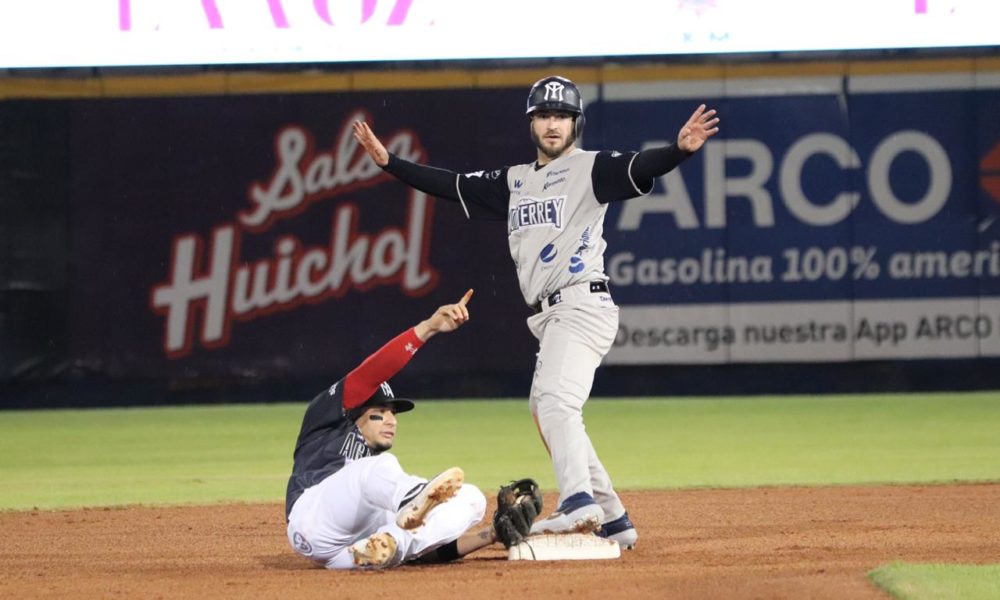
(465, 299)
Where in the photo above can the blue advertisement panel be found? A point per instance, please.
(854, 221)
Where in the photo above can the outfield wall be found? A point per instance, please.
(193, 231)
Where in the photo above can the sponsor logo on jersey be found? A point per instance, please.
(485, 174)
(576, 263)
(301, 544)
(534, 212)
(517, 184)
(549, 184)
(548, 253)
(584, 242)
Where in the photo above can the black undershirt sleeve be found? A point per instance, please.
(439, 183)
(442, 554)
(619, 177)
(655, 162)
(483, 195)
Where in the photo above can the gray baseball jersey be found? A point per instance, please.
(555, 215)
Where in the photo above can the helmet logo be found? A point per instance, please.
(386, 390)
(554, 91)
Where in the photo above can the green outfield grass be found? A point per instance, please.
(68, 458)
(937, 581)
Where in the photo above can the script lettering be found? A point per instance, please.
(301, 176)
(227, 288)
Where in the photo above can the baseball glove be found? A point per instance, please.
(518, 503)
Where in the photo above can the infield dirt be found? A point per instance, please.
(746, 543)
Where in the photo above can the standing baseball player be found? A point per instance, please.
(554, 208)
(349, 503)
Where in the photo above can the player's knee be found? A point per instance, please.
(553, 410)
(474, 497)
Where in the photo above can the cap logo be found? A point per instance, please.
(554, 91)
(386, 390)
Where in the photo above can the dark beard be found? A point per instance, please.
(381, 447)
(552, 154)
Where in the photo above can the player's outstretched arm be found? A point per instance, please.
(446, 318)
(361, 383)
(644, 166)
(481, 197)
(702, 125)
(440, 183)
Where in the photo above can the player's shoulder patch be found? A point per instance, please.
(494, 174)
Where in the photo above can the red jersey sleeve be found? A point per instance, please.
(360, 384)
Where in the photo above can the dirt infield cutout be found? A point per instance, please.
(746, 543)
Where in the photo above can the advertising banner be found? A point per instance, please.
(833, 219)
(847, 220)
(252, 236)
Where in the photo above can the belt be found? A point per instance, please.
(556, 296)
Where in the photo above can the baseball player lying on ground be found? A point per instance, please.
(349, 503)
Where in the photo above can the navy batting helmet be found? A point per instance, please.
(557, 93)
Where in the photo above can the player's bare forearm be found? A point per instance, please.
(368, 140)
(446, 318)
(477, 538)
(702, 125)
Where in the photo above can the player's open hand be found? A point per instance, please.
(366, 137)
(702, 125)
(447, 318)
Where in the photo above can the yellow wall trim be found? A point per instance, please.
(243, 82)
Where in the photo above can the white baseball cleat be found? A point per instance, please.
(577, 514)
(620, 530)
(375, 551)
(442, 488)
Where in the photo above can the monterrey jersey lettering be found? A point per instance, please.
(534, 212)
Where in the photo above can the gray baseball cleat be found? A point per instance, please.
(620, 530)
(414, 508)
(577, 514)
(375, 551)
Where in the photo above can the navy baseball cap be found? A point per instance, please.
(383, 396)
